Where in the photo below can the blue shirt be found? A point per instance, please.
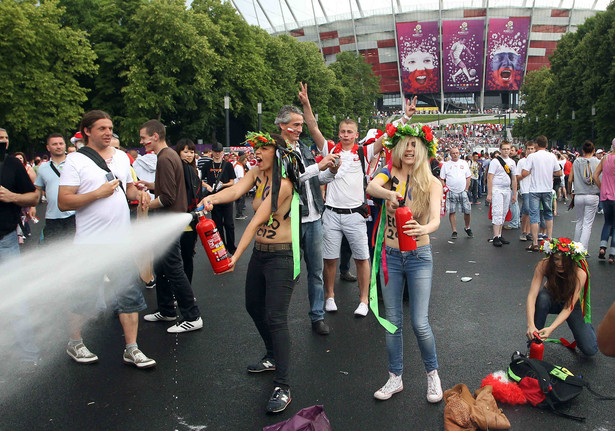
(49, 181)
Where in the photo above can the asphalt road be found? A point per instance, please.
(201, 383)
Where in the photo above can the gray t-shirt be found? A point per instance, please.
(583, 169)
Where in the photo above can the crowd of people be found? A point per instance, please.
(320, 200)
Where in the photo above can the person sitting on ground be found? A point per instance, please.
(565, 293)
(409, 179)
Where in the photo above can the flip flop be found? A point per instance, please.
(533, 247)
(611, 259)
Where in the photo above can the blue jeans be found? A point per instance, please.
(515, 220)
(311, 242)
(535, 200)
(583, 333)
(20, 313)
(417, 266)
(609, 225)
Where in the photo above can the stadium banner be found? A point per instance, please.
(463, 43)
(419, 57)
(507, 43)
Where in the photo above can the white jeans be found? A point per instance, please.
(586, 207)
(500, 202)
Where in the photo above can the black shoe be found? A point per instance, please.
(347, 276)
(279, 400)
(497, 241)
(454, 235)
(320, 327)
(503, 241)
(265, 364)
(469, 232)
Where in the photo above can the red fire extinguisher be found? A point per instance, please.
(537, 347)
(403, 215)
(212, 243)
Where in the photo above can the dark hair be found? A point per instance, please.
(561, 285)
(542, 141)
(588, 147)
(89, 119)
(54, 135)
(19, 153)
(155, 126)
(181, 145)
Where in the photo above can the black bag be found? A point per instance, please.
(558, 385)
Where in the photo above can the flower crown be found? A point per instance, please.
(573, 249)
(393, 134)
(258, 139)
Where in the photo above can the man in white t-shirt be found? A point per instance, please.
(344, 199)
(500, 178)
(99, 199)
(456, 175)
(240, 172)
(524, 189)
(543, 166)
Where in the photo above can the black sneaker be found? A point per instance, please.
(320, 327)
(503, 240)
(265, 364)
(454, 235)
(469, 232)
(151, 284)
(497, 241)
(279, 400)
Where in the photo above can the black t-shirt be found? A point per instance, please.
(15, 179)
(212, 170)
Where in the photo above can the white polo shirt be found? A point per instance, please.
(455, 174)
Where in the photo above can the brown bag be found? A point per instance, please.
(465, 413)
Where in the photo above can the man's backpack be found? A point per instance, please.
(546, 385)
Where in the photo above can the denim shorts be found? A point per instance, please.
(525, 204)
(536, 199)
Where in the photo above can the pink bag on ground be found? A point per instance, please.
(308, 419)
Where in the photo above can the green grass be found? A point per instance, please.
(429, 118)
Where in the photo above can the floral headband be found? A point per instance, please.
(393, 134)
(573, 249)
(259, 139)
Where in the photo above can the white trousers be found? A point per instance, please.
(586, 207)
(500, 202)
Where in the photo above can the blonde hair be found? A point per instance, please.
(420, 173)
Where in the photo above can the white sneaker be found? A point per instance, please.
(434, 387)
(361, 310)
(392, 386)
(81, 354)
(157, 317)
(330, 305)
(138, 359)
(186, 326)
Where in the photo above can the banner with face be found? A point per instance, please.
(506, 51)
(419, 57)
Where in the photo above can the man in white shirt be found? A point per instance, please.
(455, 174)
(500, 179)
(345, 198)
(543, 166)
(101, 209)
(524, 188)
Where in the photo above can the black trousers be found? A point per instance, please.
(59, 228)
(188, 242)
(171, 282)
(222, 215)
(269, 287)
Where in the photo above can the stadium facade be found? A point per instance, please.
(471, 55)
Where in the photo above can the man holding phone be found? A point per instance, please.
(95, 183)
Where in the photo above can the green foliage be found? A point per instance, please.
(42, 61)
(582, 76)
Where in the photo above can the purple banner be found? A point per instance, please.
(463, 51)
(418, 56)
(506, 50)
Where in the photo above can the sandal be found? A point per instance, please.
(533, 247)
(611, 259)
(602, 253)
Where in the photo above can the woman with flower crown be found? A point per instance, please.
(564, 293)
(274, 265)
(408, 181)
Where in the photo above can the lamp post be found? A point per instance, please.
(573, 117)
(259, 111)
(593, 120)
(227, 106)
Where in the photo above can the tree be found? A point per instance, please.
(42, 62)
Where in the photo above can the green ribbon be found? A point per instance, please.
(373, 289)
(294, 227)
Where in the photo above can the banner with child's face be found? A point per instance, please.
(462, 55)
(418, 56)
(506, 51)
